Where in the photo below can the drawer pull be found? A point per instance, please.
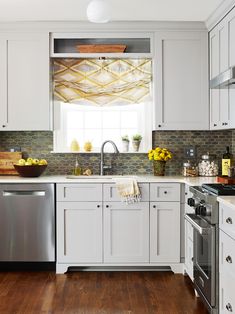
(229, 307)
(229, 259)
(107, 206)
(165, 192)
(229, 220)
(154, 206)
(98, 206)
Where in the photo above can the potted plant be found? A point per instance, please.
(159, 156)
(125, 143)
(136, 139)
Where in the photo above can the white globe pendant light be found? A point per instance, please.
(98, 11)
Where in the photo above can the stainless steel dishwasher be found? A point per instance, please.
(27, 223)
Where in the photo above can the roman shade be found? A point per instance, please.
(102, 82)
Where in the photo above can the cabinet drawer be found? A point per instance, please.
(227, 220)
(227, 253)
(111, 193)
(226, 293)
(79, 192)
(165, 192)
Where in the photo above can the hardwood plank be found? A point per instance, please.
(98, 293)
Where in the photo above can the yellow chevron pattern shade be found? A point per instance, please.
(102, 82)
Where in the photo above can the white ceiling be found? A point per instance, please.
(75, 10)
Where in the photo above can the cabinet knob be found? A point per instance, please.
(98, 206)
(186, 193)
(229, 307)
(154, 206)
(4, 125)
(215, 124)
(165, 192)
(225, 123)
(229, 259)
(192, 259)
(229, 221)
(107, 206)
(159, 125)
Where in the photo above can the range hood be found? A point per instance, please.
(223, 80)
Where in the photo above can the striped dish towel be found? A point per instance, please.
(128, 190)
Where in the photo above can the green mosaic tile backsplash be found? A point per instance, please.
(40, 144)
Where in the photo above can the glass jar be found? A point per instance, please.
(208, 166)
(189, 169)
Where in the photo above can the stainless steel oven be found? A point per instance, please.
(204, 260)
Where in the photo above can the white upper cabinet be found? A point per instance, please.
(25, 83)
(181, 81)
(222, 57)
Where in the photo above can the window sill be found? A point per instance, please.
(94, 152)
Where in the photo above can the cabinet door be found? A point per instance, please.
(182, 81)
(226, 293)
(79, 232)
(126, 233)
(3, 83)
(28, 82)
(165, 232)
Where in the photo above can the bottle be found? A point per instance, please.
(226, 162)
(77, 171)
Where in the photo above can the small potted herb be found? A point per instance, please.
(136, 140)
(125, 143)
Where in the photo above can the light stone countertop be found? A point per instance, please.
(227, 200)
(108, 179)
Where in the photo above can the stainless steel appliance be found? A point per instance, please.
(27, 223)
(223, 80)
(205, 222)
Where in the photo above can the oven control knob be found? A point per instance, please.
(197, 210)
(201, 210)
(191, 202)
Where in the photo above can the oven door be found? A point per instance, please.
(204, 259)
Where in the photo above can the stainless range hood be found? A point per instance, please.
(225, 79)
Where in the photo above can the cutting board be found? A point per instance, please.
(226, 180)
(7, 159)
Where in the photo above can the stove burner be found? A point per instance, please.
(220, 189)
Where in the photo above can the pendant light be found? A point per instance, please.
(98, 11)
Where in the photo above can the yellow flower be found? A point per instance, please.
(159, 154)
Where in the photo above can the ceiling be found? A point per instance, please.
(75, 10)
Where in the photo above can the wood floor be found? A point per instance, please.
(97, 292)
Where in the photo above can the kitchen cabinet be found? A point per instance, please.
(24, 82)
(222, 51)
(181, 80)
(126, 232)
(165, 232)
(94, 228)
(79, 232)
(227, 258)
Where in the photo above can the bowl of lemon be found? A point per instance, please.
(30, 167)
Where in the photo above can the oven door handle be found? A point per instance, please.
(201, 229)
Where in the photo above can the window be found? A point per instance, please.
(97, 124)
(102, 99)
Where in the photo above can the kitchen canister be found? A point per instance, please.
(189, 169)
(208, 166)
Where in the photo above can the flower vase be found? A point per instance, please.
(159, 167)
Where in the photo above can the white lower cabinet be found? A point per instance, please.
(126, 232)
(165, 232)
(79, 232)
(227, 259)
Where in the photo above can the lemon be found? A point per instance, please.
(42, 162)
(35, 161)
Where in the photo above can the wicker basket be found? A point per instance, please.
(101, 48)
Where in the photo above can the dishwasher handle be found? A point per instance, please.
(24, 193)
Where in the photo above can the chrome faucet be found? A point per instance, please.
(102, 166)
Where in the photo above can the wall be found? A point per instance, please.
(40, 144)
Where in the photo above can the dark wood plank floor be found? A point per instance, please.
(97, 292)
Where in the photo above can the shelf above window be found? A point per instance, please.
(67, 45)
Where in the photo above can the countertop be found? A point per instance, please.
(227, 200)
(108, 179)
